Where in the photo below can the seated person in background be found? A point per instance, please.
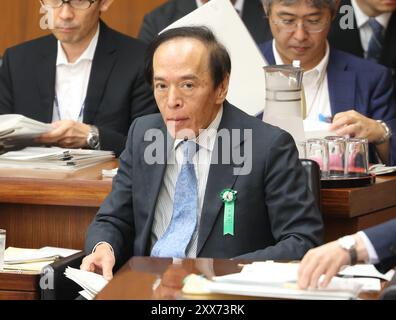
(85, 78)
(375, 245)
(250, 11)
(373, 33)
(174, 205)
(355, 93)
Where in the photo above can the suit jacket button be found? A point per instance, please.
(393, 248)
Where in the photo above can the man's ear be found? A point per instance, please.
(222, 89)
(105, 5)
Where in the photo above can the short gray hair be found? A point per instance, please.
(320, 4)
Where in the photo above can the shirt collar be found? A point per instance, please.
(87, 55)
(362, 18)
(207, 137)
(317, 72)
(238, 5)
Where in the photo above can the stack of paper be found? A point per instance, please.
(379, 169)
(53, 158)
(33, 259)
(18, 127)
(92, 283)
(275, 280)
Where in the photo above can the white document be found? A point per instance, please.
(278, 280)
(16, 127)
(379, 169)
(53, 158)
(317, 129)
(366, 270)
(247, 83)
(19, 255)
(92, 283)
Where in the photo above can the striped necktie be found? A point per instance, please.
(376, 42)
(177, 236)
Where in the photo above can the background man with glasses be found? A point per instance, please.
(85, 78)
(353, 92)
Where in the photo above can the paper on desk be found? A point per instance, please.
(379, 169)
(20, 255)
(247, 81)
(92, 283)
(366, 270)
(278, 280)
(317, 129)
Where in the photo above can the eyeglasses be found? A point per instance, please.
(310, 26)
(76, 4)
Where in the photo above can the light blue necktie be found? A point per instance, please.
(375, 45)
(177, 236)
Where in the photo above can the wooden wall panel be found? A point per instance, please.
(20, 19)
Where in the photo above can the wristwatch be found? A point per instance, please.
(387, 135)
(93, 138)
(349, 243)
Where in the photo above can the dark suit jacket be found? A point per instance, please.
(383, 238)
(357, 84)
(117, 93)
(276, 216)
(349, 40)
(154, 22)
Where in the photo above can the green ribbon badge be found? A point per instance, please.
(228, 196)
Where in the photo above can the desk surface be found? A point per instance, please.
(41, 208)
(138, 279)
(19, 286)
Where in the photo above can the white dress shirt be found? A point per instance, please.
(238, 5)
(201, 160)
(72, 83)
(364, 28)
(372, 254)
(315, 86)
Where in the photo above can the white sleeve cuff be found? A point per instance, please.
(103, 242)
(372, 254)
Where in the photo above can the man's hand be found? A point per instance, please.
(67, 134)
(355, 125)
(327, 260)
(101, 261)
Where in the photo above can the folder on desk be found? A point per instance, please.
(33, 259)
(53, 158)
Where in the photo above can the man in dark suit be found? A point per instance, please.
(355, 93)
(86, 79)
(243, 193)
(357, 40)
(375, 245)
(251, 13)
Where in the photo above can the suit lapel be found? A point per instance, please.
(220, 177)
(388, 57)
(341, 83)
(255, 21)
(46, 73)
(102, 65)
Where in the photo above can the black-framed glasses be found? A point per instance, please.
(76, 4)
(310, 26)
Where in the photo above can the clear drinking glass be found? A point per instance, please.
(2, 248)
(336, 148)
(356, 157)
(316, 150)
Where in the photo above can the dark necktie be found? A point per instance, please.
(376, 42)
